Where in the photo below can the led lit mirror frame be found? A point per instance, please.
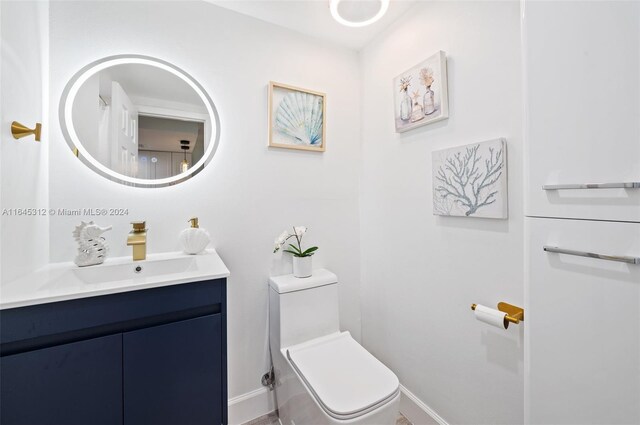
(69, 132)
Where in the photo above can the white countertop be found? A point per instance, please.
(66, 281)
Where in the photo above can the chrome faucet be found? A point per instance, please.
(138, 239)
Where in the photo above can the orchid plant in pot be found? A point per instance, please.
(301, 259)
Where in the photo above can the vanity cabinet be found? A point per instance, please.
(155, 356)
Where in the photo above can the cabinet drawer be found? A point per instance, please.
(583, 323)
(24, 328)
(583, 104)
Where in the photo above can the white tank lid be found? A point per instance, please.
(290, 283)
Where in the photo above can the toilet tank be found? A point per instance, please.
(301, 309)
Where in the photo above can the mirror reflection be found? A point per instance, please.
(141, 121)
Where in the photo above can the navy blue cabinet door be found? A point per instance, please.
(173, 373)
(78, 383)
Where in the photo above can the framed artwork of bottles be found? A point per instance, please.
(421, 94)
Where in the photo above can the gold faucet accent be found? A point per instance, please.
(138, 239)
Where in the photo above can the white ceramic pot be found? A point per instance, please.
(302, 266)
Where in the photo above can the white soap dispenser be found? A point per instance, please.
(194, 240)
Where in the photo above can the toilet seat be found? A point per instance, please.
(345, 379)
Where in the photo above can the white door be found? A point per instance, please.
(582, 323)
(583, 107)
(124, 132)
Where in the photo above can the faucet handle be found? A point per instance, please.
(139, 226)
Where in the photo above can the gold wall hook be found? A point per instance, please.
(515, 314)
(19, 130)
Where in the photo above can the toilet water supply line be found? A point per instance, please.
(268, 379)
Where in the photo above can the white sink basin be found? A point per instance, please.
(135, 270)
(65, 281)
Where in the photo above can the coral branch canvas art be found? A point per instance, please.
(296, 118)
(421, 94)
(471, 180)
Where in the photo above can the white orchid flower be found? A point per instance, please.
(296, 250)
(283, 237)
(280, 240)
(300, 231)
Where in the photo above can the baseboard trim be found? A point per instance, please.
(416, 411)
(251, 405)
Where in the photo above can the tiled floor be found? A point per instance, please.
(402, 420)
(272, 419)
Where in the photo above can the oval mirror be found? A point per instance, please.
(139, 121)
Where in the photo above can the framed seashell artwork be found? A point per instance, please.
(296, 118)
(421, 95)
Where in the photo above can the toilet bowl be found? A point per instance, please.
(323, 376)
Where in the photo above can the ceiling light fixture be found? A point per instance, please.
(184, 165)
(333, 6)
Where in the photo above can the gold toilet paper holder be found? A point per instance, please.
(515, 314)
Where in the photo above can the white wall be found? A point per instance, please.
(249, 193)
(422, 272)
(24, 98)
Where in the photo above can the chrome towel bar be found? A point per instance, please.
(625, 185)
(619, 258)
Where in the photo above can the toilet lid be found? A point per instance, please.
(346, 380)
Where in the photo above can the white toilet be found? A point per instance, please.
(322, 375)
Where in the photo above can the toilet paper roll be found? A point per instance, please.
(491, 316)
